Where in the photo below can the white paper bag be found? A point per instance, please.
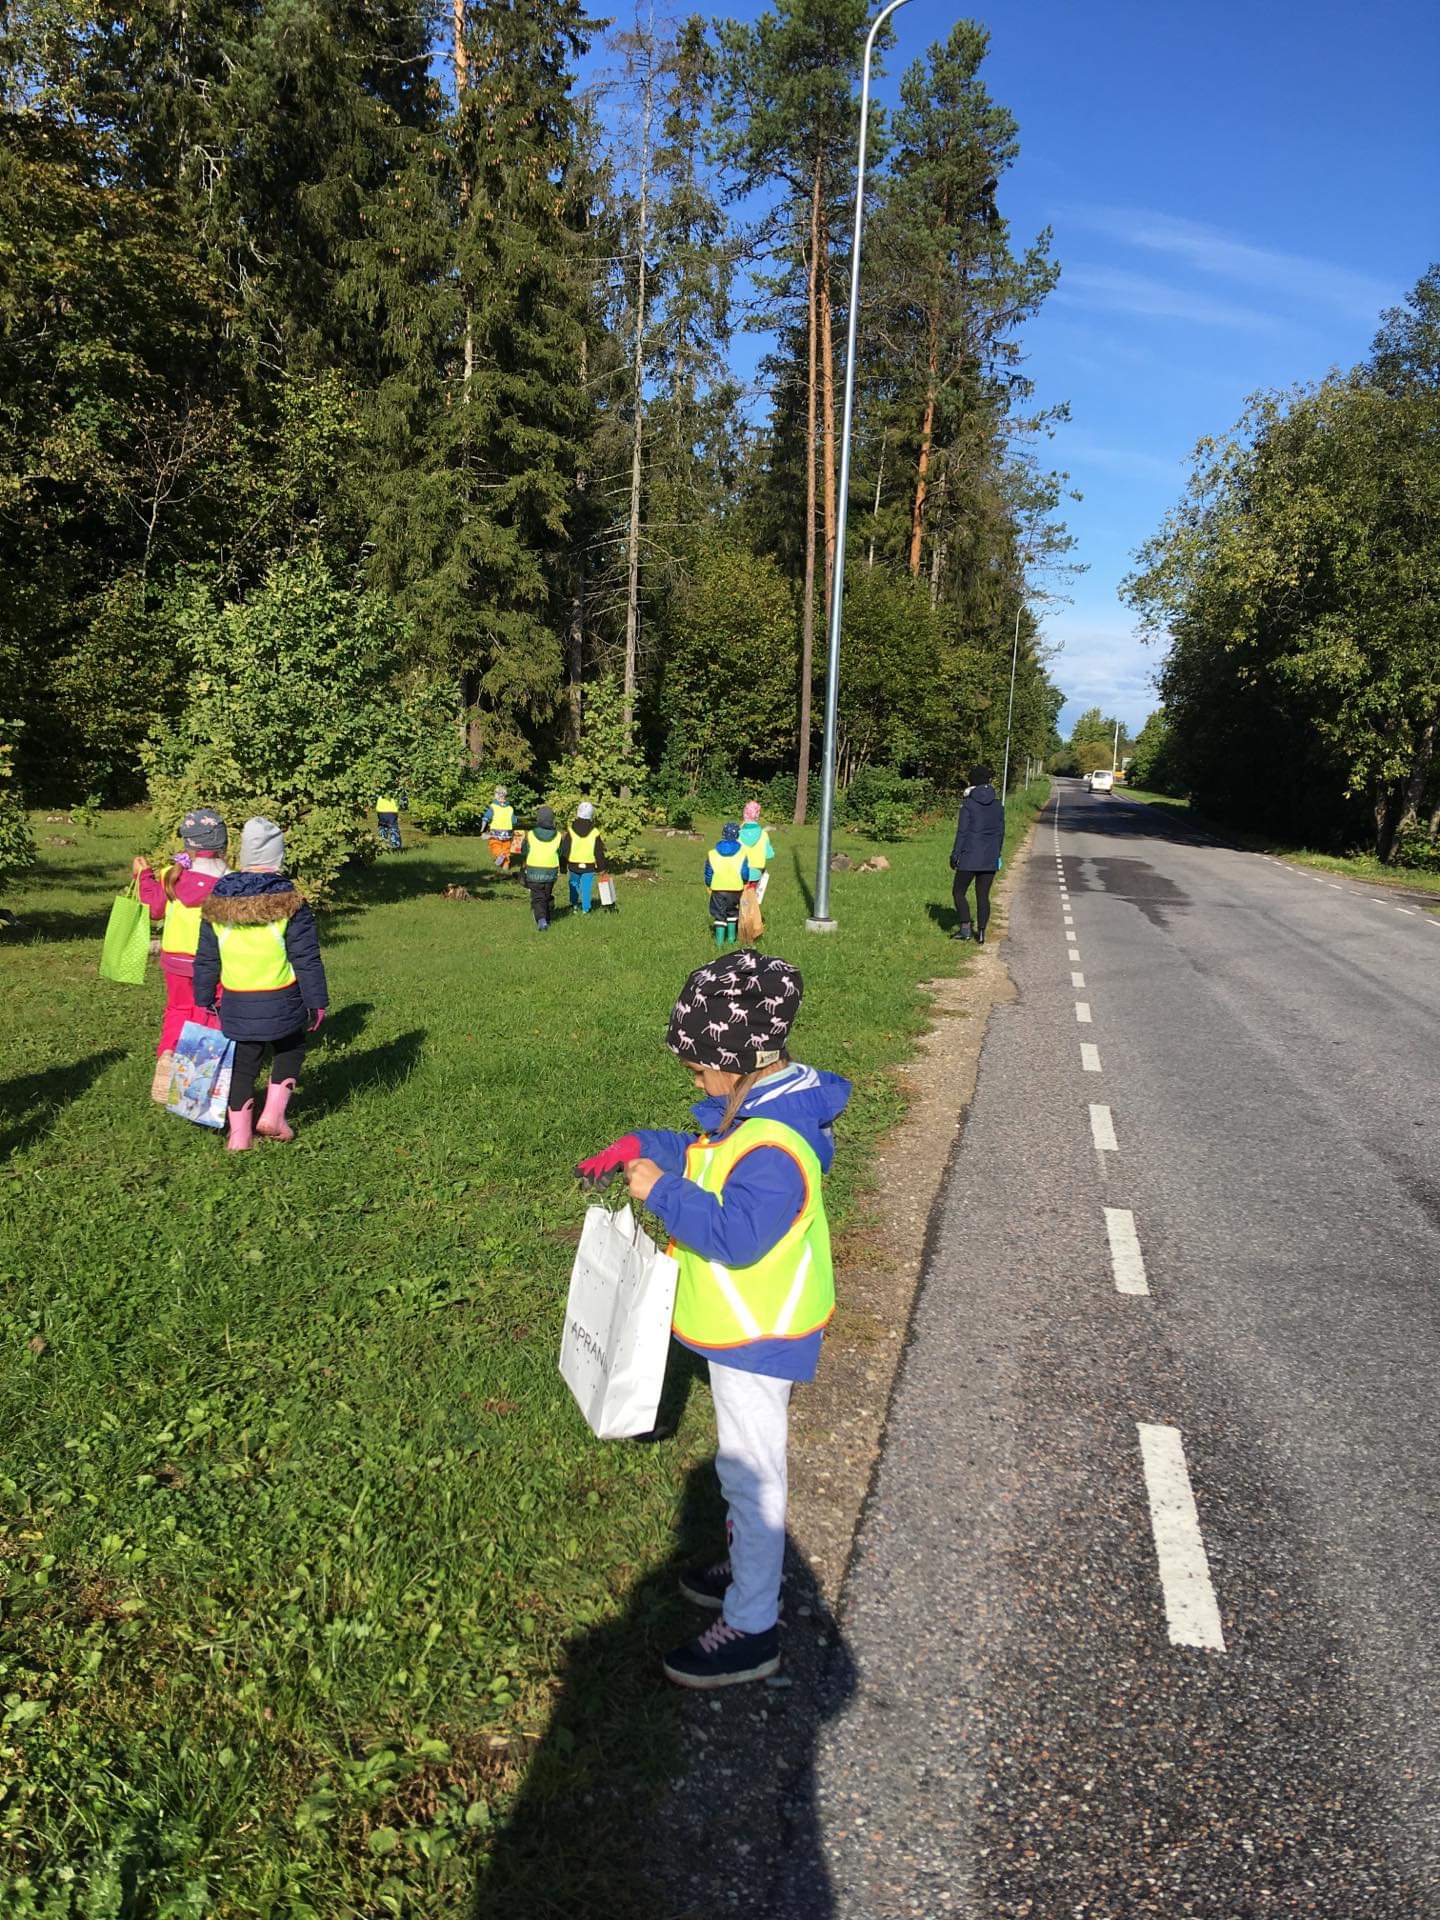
(617, 1324)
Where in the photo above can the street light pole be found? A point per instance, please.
(820, 921)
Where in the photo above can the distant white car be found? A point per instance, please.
(1101, 781)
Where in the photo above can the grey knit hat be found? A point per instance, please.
(262, 844)
(545, 817)
(203, 831)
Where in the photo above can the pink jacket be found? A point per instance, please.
(191, 889)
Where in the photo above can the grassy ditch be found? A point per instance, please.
(1355, 866)
(309, 1565)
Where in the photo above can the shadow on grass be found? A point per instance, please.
(944, 915)
(333, 1084)
(31, 1104)
(409, 876)
(603, 1826)
(53, 923)
(807, 891)
(342, 1027)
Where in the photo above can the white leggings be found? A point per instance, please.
(752, 1416)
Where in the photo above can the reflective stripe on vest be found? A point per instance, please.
(725, 874)
(787, 1293)
(253, 959)
(181, 932)
(543, 854)
(502, 820)
(582, 847)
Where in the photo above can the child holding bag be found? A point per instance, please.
(743, 1205)
(259, 944)
(175, 899)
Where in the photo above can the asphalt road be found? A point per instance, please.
(1144, 1611)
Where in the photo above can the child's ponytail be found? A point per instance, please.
(741, 1092)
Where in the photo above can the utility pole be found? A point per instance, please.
(1115, 751)
(820, 921)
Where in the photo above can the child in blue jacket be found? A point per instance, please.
(742, 1203)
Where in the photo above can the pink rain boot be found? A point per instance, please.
(272, 1121)
(242, 1127)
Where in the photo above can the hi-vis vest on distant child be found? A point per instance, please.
(502, 819)
(253, 959)
(582, 848)
(726, 871)
(787, 1293)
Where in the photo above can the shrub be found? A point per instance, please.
(883, 803)
(17, 843)
(1419, 850)
(293, 710)
(604, 766)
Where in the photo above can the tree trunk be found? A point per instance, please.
(1416, 783)
(1387, 821)
(827, 377)
(922, 470)
(807, 612)
(462, 81)
(939, 546)
(875, 516)
(632, 595)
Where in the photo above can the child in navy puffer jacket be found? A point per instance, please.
(259, 942)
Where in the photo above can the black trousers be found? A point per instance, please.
(286, 1065)
(724, 906)
(542, 897)
(983, 884)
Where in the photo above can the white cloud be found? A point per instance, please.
(1303, 281)
(1102, 663)
(1114, 290)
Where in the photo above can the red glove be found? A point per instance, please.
(317, 1019)
(598, 1168)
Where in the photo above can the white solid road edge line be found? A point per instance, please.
(1082, 1012)
(1126, 1261)
(1102, 1131)
(1089, 1056)
(1191, 1609)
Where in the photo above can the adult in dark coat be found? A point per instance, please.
(979, 838)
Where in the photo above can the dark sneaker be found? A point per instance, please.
(707, 1586)
(961, 933)
(722, 1656)
(980, 938)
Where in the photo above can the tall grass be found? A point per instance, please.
(297, 1521)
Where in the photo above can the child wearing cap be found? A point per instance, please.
(175, 898)
(259, 943)
(727, 873)
(744, 1209)
(498, 823)
(540, 864)
(583, 852)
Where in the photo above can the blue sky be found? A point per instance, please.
(1235, 192)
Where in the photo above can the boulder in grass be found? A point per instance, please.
(841, 863)
(457, 893)
(877, 863)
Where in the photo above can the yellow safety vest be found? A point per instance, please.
(386, 803)
(759, 854)
(502, 820)
(253, 959)
(582, 847)
(181, 932)
(542, 854)
(725, 874)
(787, 1293)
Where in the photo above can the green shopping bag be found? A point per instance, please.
(127, 940)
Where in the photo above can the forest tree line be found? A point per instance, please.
(1298, 587)
(366, 342)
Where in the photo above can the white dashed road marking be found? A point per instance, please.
(1074, 953)
(1102, 1129)
(1077, 979)
(1089, 1056)
(1082, 1012)
(1191, 1609)
(1126, 1260)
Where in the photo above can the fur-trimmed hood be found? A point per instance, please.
(252, 900)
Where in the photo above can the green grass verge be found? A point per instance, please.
(309, 1564)
(1358, 866)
